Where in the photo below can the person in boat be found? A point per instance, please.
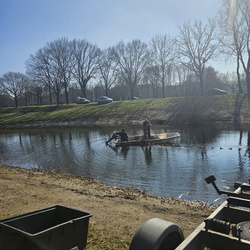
(146, 129)
(122, 135)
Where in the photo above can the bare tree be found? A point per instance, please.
(151, 82)
(107, 68)
(13, 84)
(196, 46)
(33, 92)
(61, 56)
(39, 68)
(132, 60)
(27, 92)
(85, 62)
(47, 66)
(182, 75)
(234, 23)
(162, 49)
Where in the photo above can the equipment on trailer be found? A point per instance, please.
(228, 227)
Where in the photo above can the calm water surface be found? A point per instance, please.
(165, 171)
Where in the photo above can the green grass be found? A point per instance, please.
(155, 109)
(73, 112)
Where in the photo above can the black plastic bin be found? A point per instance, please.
(53, 228)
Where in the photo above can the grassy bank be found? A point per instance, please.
(192, 110)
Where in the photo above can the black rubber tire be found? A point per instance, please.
(157, 234)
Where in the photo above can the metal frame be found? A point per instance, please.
(228, 227)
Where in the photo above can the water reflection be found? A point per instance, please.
(176, 171)
(197, 136)
(148, 154)
(124, 151)
(120, 150)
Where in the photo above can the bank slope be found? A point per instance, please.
(190, 110)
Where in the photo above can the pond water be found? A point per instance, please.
(168, 171)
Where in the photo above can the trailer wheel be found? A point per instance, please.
(157, 234)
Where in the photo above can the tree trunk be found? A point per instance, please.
(163, 90)
(26, 100)
(16, 103)
(38, 99)
(238, 75)
(83, 88)
(66, 92)
(132, 92)
(50, 95)
(57, 98)
(248, 85)
(201, 84)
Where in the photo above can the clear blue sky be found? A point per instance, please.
(27, 25)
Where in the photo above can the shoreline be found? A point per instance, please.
(117, 212)
(117, 123)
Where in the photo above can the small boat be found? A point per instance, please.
(155, 139)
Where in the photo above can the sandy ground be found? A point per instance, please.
(117, 212)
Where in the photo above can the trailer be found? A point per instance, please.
(228, 227)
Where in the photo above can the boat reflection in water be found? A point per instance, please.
(120, 150)
(163, 170)
(124, 151)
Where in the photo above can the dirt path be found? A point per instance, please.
(117, 212)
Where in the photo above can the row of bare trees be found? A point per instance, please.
(164, 62)
(61, 63)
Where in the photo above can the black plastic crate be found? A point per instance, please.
(53, 228)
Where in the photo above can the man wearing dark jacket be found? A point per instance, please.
(123, 135)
